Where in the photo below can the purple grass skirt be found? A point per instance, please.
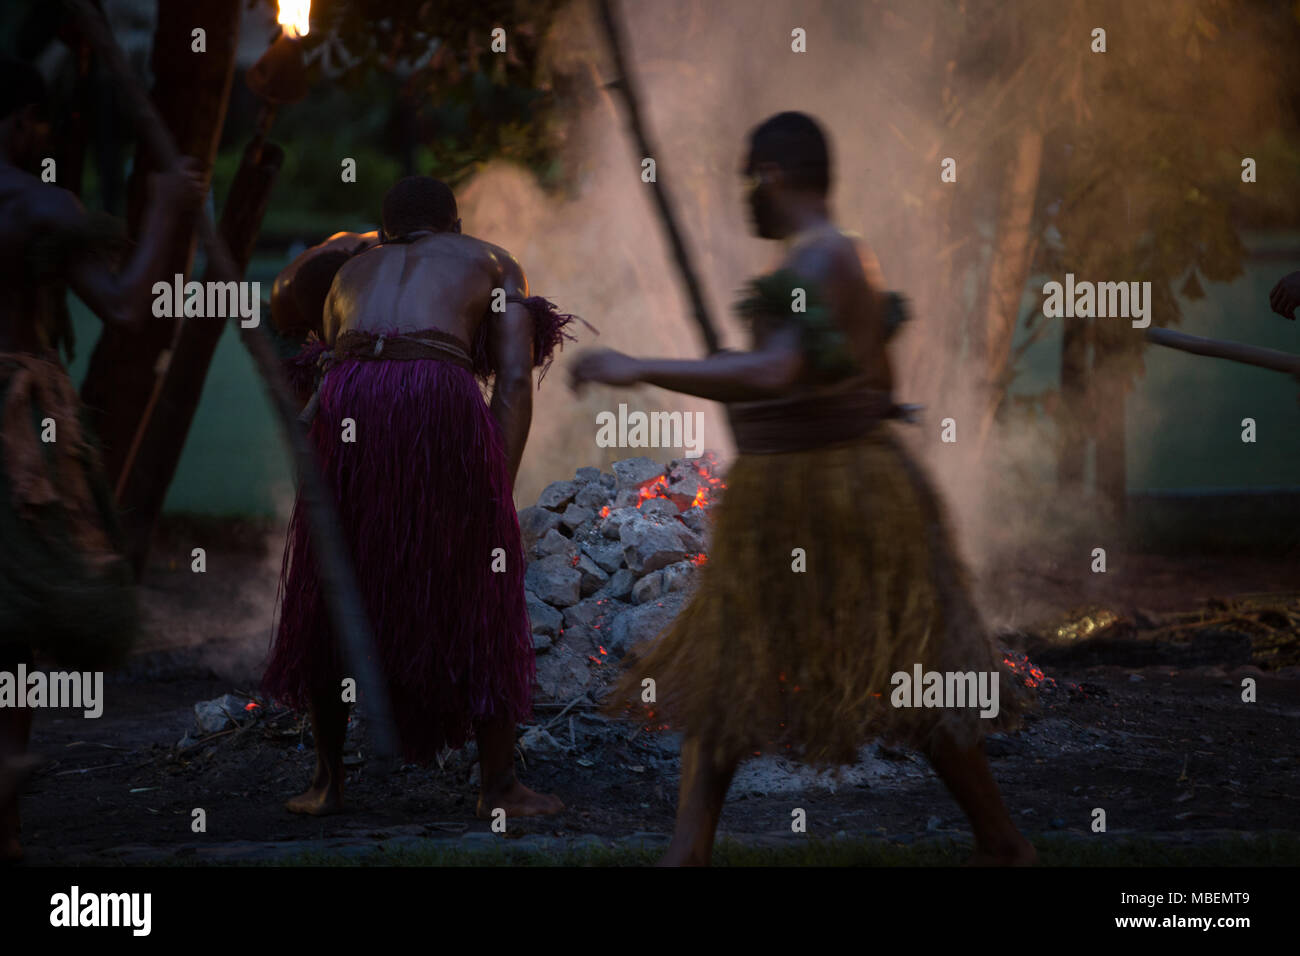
(424, 500)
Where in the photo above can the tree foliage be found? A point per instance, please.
(459, 98)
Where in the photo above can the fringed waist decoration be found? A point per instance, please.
(807, 422)
(38, 483)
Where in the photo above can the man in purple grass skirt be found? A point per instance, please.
(422, 469)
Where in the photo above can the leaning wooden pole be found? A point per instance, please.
(150, 464)
(343, 600)
(626, 83)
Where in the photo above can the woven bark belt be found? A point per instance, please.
(406, 347)
(801, 424)
(355, 345)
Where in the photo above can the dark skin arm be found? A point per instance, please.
(724, 377)
(124, 297)
(510, 341)
(769, 371)
(1285, 297)
(284, 308)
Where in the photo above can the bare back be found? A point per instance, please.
(443, 281)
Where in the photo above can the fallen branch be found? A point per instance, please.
(556, 718)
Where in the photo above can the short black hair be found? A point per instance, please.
(796, 143)
(21, 85)
(419, 202)
(311, 285)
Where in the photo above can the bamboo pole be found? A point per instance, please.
(347, 614)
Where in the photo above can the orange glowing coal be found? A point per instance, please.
(704, 496)
(294, 16)
(657, 489)
(1031, 675)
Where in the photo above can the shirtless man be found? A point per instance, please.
(763, 657)
(422, 470)
(298, 294)
(64, 590)
(298, 304)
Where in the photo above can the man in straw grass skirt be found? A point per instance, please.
(765, 656)
(67, 592)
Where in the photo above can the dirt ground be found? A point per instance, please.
(1161, 747)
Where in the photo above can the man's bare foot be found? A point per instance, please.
(317, 802)
(517, 801)
(1018, 853)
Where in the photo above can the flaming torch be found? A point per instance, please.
(294, 17)
(279, 76)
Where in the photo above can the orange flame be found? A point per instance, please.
(656, 489)
(294, 16)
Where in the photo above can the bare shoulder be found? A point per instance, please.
(867, 262)
(345, 236)
(510, 271)
(351, 242)
(358, 265)
(829, 258)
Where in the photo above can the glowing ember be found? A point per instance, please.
(294, 16)
(252, 705)
(1031, 675)
(659, 489)
(604, 512)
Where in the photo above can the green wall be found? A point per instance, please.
(234, 462)
(1184, 416)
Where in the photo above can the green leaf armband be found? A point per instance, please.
(783, 296)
